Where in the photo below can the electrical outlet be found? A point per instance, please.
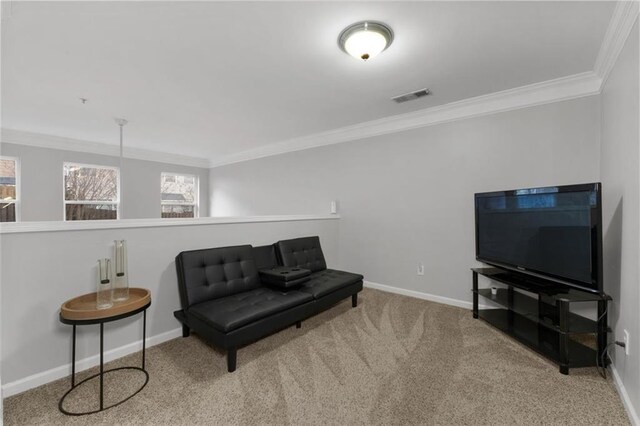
(626, 342)
(420, 268)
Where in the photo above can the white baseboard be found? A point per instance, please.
(421, 295)
(626, 401)
(56, 373)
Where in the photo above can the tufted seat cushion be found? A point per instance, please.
(302, 253)
(328, 281)
(229, 313)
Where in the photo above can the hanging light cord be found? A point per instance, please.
(121, 122)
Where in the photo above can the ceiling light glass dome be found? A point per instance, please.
(364, 40)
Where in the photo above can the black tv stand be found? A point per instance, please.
(543, 322)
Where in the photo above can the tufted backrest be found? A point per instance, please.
(213, 273)
(303, 253)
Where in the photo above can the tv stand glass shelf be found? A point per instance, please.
(543, 321)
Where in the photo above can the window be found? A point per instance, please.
(9, 193)
(91, 192)
(179, 195)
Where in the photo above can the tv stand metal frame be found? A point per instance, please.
(544, 322)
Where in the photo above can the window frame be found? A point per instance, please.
(18, 200)
(95, 166)
(196, 200)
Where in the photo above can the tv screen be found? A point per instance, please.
(552, 232)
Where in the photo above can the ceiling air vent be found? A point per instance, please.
(411, 96)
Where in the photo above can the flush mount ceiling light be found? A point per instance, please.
(364, 40)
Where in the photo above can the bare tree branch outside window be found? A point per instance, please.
(91, 192)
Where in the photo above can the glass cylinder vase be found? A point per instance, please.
(103, 293)
(121, 279)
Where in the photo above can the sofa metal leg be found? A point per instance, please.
(186, 331)
(231, 359)
(354, 300)
(298, 324)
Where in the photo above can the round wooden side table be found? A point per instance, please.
(82, 311)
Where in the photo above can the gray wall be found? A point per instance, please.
(41, 182)
(621, 178)
(408, 197)
(40, 270)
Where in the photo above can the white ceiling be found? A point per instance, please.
(215, 79)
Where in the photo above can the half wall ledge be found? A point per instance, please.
(56, 226)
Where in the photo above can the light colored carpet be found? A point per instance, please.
(391, 360)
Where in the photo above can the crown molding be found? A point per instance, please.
(20, 137)
(570, 87)
(589, 83)
(556, 90)
(620, 26)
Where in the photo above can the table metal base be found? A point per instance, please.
(69, 413)
(102, 371)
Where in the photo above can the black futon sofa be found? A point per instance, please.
(232, 296)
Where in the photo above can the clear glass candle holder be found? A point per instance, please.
(121, 278)
(104, 294)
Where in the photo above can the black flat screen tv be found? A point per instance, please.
(554, 233)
